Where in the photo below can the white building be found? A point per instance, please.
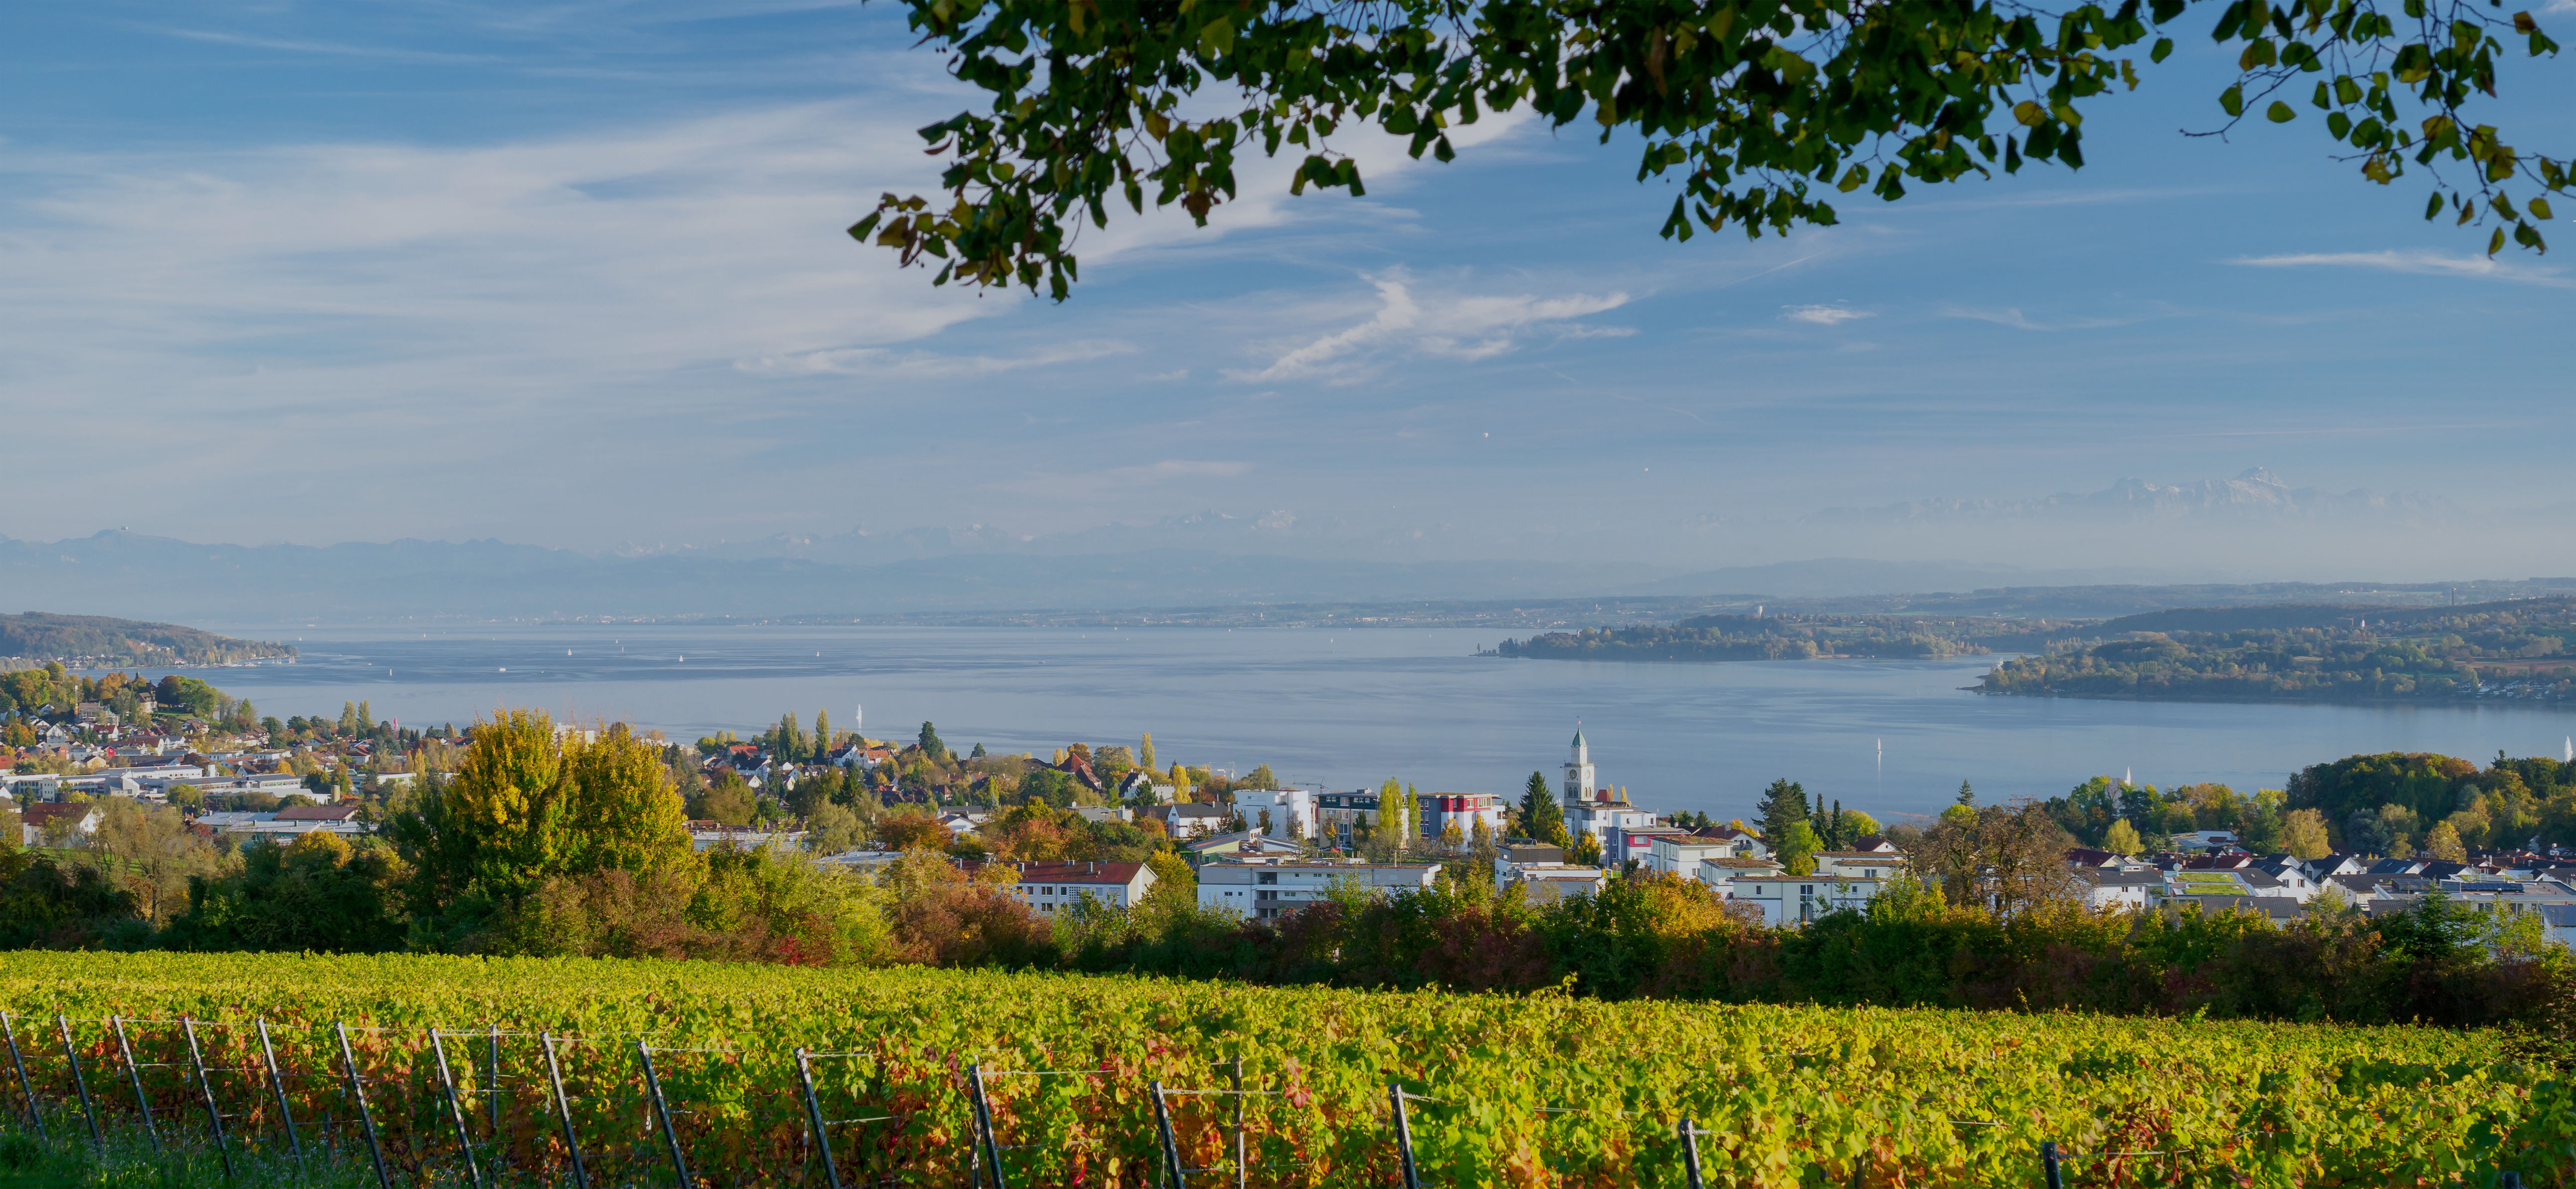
(1591, 808)
(1193, 820)
(1547, 883)
(1291, 812)
(1680, 853)
(1797, 899)
(1051, 888)
(2108, 888)
(1262, 889)
(1720, 872)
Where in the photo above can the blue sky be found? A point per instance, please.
(573, 274)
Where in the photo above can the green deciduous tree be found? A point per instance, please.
(1757, 110)
(1796, 848)
(2122, 838)
(522, 809)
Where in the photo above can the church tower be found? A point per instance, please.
(1581, 782)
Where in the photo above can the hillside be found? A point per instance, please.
(98, 642)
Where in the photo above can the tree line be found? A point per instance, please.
(2413, 656)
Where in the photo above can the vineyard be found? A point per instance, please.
(469, 1072)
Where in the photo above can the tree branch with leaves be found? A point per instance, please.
(1760, 109)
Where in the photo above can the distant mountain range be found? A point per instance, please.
(119, 573)
(2256, 497)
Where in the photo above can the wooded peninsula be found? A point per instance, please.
(2515, 650)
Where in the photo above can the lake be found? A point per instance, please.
(1346, 708)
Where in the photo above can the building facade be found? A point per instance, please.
(1263, 889)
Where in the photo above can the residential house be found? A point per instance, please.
(1285, 814)
(1720, 872)
(2111, 887)
(1679, 854)
(1191, 821)
(2558, 923)
(1509, 858)
(1625, 846)
(1860, 864)
(859, 756)
(65, 823)
(2289, 873)
(2280, 909)
(1783, 899)
(1104, 813)
(1263, 889)
(1547, 883)
(2203, 841)
(1052, 888)
(1749, 845)
(1875, 842)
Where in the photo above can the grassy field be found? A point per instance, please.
(1529, 1091)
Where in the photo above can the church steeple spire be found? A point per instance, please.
(1581, 784)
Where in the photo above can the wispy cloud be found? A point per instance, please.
(2012, 316)
(1827, 315)
(335, 49)
(1448, 325)
(855, 361)
(2417, 262)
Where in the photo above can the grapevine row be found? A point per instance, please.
(648, 1071)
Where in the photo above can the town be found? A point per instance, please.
(1102, 825)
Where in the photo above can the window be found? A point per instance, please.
(1266, 877)
(1806, 889)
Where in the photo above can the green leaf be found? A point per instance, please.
(2540, 209)
(2433, 207)
(2233, 100)
(860, 230)
(2164, 49)
(2338, 123)
(2279, 113)
(2495, 243)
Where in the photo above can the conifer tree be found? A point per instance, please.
(1541, 819)
(822, 735)
(1784, 804)
(1144, 752)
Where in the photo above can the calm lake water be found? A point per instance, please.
(1346, 708)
